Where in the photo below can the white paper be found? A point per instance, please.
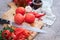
(46, 7)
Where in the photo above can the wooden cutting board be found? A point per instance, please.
(9, 15)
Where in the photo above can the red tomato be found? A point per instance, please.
(12, 37)
(5, 33)
(21, 33)
(21, 36)
(20, 10)
(18, 31)
(19, 19)
(29, 18)
(26, 33)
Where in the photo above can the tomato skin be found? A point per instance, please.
(29, 18)
(19, 19)
(12, 37)
(26, 33)
(20, 10)
(5, 33)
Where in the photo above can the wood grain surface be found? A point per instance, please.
(9, 15)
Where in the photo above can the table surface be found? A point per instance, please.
(53, 31)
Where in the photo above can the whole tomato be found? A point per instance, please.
(6, 34)
(29, 18)
(19, 19)
(20, 10)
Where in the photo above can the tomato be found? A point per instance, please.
(19, 19)
(21, 36)
(18, 31)
(21, 33)
(20, 10)
(29, 18)
(5, 33)
(26, 33)
(12, 37)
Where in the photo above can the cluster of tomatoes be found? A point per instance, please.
(17, 34)
(22, 2)
(22, 16)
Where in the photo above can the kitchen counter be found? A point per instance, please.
(53, 31)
